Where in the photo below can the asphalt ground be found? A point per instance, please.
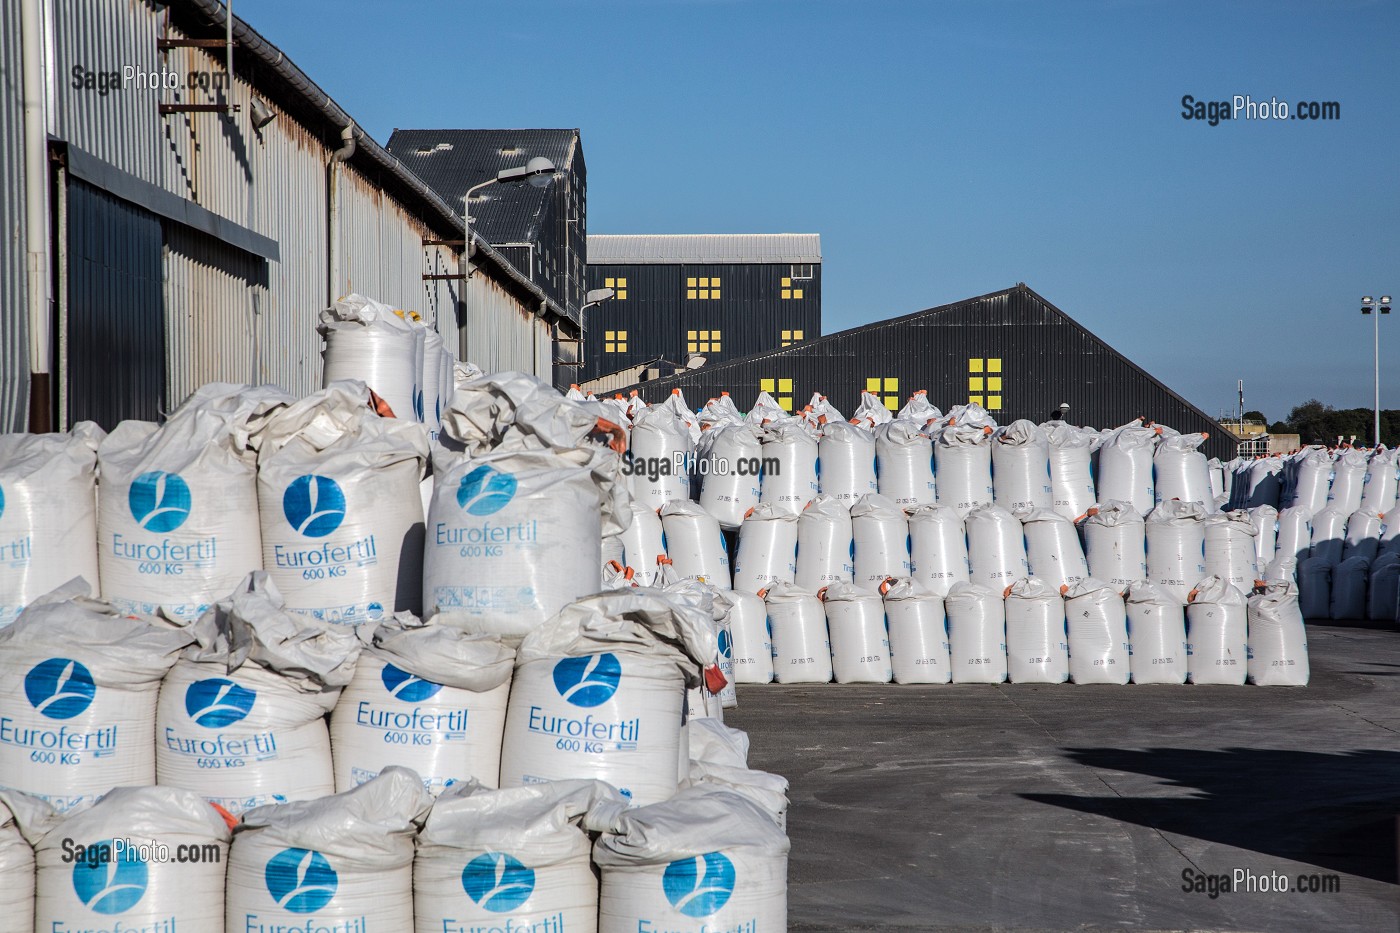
(1038, 807)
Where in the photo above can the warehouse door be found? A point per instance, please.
(115, 324)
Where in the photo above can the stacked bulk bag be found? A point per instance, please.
(1293, 538)
(517, 518)
(801, 643)
(1037, 648)
(938, 548)
(718, 413)
(792, 450)
(1021, 467)
(1157, 632)
(1379, 491)
(427, 697)
(370, 342)
(1383, 588)
(1349, 588)
(1265, 519)
(341, 508)
(678, 407)
(1180, 471)
(599, 688)
(767, 790)
(904, 461)
(80, 680)
(1363, 535)
(694, 543)
(48, 513)
(1230, 549)
(241, 717)
(996, 547)
(513, 859)
(1265, 483)
(658, 458)
(918, 633)
(1099, 650)
(1216, 471)
(881, 533)
(23, 821)
(1071, 473)
(1312, 477)
(1348, 481)
(1176, 547)
(1115, 544)
(847, 453)
(976, 634)
(765, 410)
(338, 863)
(918, 411)
(871, 412)
(643, 541)
(825, 545)
(177, 508)
(1315, 588)
(1125, 467)
(751, 647)
(1217, 628)
(1278, 639)
(767, 551)
(730, 482)
(1053, 551)
(118, 865)
(1329, 535)
(962, 455)
(708, 859)
(860, 644)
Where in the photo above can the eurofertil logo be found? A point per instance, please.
(482, 493)
(160, 502)
(110, 887)
(58, 689)
(300, 880)
(315, 507)
(417, 726)
(216, 703)
(18, 551)
(587, 682)
(407, 687)
(699, 886)
(498, 882)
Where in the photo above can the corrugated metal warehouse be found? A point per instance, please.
(1010, 351)
(158, 241)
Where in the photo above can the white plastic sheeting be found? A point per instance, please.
(1278, 639)
(1157, 632)
(1176, 548)
(1348, 481)
(881, 532)
(1099, 651)
(904, 458)
(23, 821)
(825, 545)
(918, 633)
(1378, 495)
(1053, 551)
(751, 648)
(1125, 467)
(370, 342)
(976, 634)
(1115, 544)
(658, 456)
(1021, 467)
(801, 644)
(860, 645)
(962, 455)
(938, 548)
(767, 551)
(1071, 474)
(1180, 470)
(793, 451)
(1230, 549)
(1037, 646)
(871, 412)
(996, 547)
(729, 483)
(643, 541)
(1349, 588)
(847, 456)
(1217, 625)
(694, 543)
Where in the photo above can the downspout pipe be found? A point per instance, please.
(338, 157)
(38, 279)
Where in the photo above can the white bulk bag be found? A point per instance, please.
(713, 741)
(1053, 551)
(1312, 476)
(918, 410)
(765, 410)
(729, 693)
(431, 381)
(1278, 639)
(1230, 549)
(513, 859)
(1217, 626)
(1239, 472)
(1216, 470)
(847, 457)
(996, 547)
(792, 450)
(658, 459)
(860, 644)
(1281, 569)
(1125, 467)
(427, 697)
(23, 821)
(141, 858)
(708, 859)
(751, 648)
(731, 472)
(370, 342)
(1071, 475)
(1265, 518)
(1349, 588)
(938, 548)
(1265, 483)
(1293, 541)
(1021, 467)
(1115, 544)
(79, 680)
(962, 456)
(1348, 481)
(1099, 650)
(1383, 588)
(1157, 632)
(678, 407)
(881, 533)
(1363, 535)
(177, 506)
(340, 863)
(767, 551)
(241, 717)
(904, 462)
(825, 545)
(1037, 649)
(1179, 470)
(801, 643)
(1379, 491)
(1329, 535)
(1315, 588)
(918, 633)
(719, 412)
(341, 508)
(643, 541)
(695, 544)
(599, 688)
(976, 634)
(767, 790)
(613, 550)
(48, 513)
(871, 412)
(1176, 548)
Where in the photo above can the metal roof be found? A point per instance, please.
(716, 248)
(451, 161)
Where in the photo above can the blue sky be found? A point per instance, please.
(945, 150)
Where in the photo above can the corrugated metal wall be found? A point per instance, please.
(14, 313)
(501, 336)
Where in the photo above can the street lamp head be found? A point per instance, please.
(596, 295)
(1367, 300)
(538, 171)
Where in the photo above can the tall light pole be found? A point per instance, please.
(1370, 306)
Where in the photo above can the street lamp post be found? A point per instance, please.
(1374, 308)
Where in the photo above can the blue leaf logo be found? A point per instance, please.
(216, 702)
(59, 688)
(699, 886)
(159, 501)
(110, 886)
(726, 644)
(407, 687)
(485, 491)
(300, 880)
(587, 681)
(498, 882)
(314, 505)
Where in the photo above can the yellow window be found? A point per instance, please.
(690, 282)
(974, 365)
(791, 336)
(780, 389)
(704, 293)
(787, 282)
(974, 383)
(993, 366)
(872, 385)
(797, 293)
(767, 385)
(621, 283)
(609, 283)
(994, 403)
(702, 341)
(974, 400)
(690, 293)
(787, 293)
(887, 387)
(615, 341)
(993, 383)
